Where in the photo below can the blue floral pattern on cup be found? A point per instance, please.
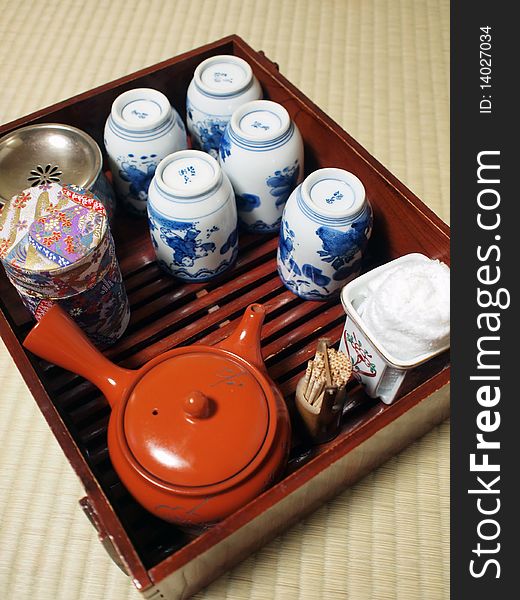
(340, 247)
(308, 276)
(280, 186)
(225, 145)
(138, 172)
(315, 276)
(183, 238)
(208, 135)
(189, 242)
(247, 202)
(286, 247)
(231, 242)
(283, 182)
(262, 227)
(321, 249)
(338, 257)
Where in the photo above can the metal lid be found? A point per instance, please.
(223, 75)
(198, 419)
(48, 236)
(47, 153)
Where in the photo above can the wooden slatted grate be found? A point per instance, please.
(166, 313)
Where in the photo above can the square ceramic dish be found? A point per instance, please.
(163, 560)
(381, 373)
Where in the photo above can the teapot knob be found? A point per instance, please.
(197, 405)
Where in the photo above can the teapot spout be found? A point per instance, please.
(57, 339)
(245, 341)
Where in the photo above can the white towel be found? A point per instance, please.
(407, 308)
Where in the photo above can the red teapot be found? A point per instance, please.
(195, 433)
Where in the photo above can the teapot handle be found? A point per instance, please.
(57, 339)
(245, 341)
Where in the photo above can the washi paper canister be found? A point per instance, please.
(56, 247)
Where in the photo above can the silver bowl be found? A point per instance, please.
(52, 153)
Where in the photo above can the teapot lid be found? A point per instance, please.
(199, 418)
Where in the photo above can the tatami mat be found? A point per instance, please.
(381, 70)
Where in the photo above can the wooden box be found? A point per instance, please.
(164, 561)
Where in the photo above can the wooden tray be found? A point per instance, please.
(163, 560)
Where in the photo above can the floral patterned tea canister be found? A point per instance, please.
(220, 84)
(262, 154)
(326, 225)
(141, 130)
(193, 216)
(56, 247)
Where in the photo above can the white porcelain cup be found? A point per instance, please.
(142, 129)
(193, 217)
(325, 228)
(262, 154)
(220, 84)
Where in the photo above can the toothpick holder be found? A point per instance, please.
(322, 422)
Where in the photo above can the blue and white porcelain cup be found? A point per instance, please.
(220, 84)
(326, 225)
(193, 216)
(141, 130)
(262, 154)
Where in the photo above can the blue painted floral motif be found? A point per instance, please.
(225, 145)
(344, 272)
(261, 226)
(316, 276)
(247, 202)
(283, 182)
(132, 171)
(204, 273)
(211, 230)
(286, 246)
(297, 287)
(191, 241)
(341, 250)
(153, 228)
(231, 242)
(181, 237)
(340, 247)
(210, 134)
(301, 281)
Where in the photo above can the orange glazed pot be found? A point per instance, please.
(195, 433)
